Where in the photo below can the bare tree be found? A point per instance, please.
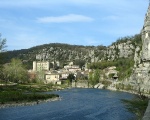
(2, 44)
(2, 48)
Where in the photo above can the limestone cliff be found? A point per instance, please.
(118, 49)
(121, 49)
(140, 78)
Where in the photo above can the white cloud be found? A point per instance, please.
(65, 18)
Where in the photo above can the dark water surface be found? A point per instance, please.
(76, 104)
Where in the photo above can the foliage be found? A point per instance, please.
(123, 65)
(79, 62)
(71, 77)
(15, 71)
(137, 106)
(26, 92)
(135, 40)
(40, 77)
(17, 96)
(106, 83)
(60, 52)
(94, 77)
(2, 49)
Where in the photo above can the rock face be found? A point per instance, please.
(146, 37)
(120, 50)
(141, 72)
(63, 52)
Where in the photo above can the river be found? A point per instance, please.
(75, 104)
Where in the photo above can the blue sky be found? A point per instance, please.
(28, 23)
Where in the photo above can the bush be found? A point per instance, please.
(136, 106)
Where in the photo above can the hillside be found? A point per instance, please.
(122, 48)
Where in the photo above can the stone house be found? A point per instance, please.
(52, 78)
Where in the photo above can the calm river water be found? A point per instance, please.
(76, 104)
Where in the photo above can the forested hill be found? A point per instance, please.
(122, 48)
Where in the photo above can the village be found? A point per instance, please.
(46, 71)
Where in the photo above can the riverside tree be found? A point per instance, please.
(2, 48)
(94, 77)
(15, 71)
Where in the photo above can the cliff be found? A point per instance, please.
(140, 78)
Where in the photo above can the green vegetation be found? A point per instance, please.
(136, 40)
(123, 65)
(14, 96)
(24, 93)
(15, 72)
(137, 106)
(2, 49)
(106, 83)
(65, 52)
(70, 79)
(94, 77)
(79, 62)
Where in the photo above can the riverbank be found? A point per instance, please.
(147, 113)
(128, 91)
(13, 104)
(22, 95)
(84, 84)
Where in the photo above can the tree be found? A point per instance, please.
(15, 71)
(79, 62)
(2, 44)
(71, 77)
(94, 77)
(40, 76)
(90, 79)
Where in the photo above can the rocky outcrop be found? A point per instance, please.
(140, 78)
(120, 50)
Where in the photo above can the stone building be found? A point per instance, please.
(41, 66)
(52, 78)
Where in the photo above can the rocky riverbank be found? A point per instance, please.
(28, 103)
